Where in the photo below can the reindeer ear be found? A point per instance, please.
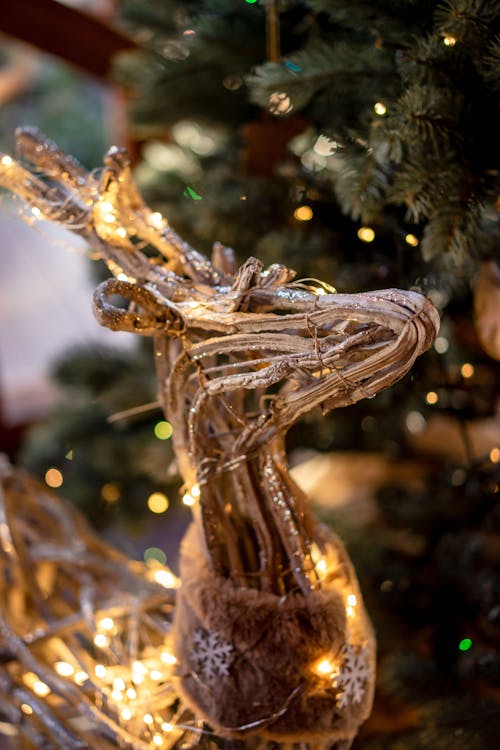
(223, 259)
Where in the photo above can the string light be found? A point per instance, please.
(148, 719)
(157, 740)
(167, 727)
(152, 554)
(157, 220)
(53, 477)
(166, 578)
(366, 234)
(158, 502)
(495, 455)
(6, 161)
(324, 667)
(101, 640)
(303, 213)
(467, 370)
(64, 669)
(168, 658)
(110, 492)
(195, 491)
(139, 667)
(415, 422)
(107, 623)
(126, 714)
(449, 40)
(441, 345)
(26, 709)
(410, 239)
(41, 689)
(432, 398)
(81, 677)
(188, 499)
(321, 566)
(163, 430)
(380, 108)
(352, 601)
(100, 671)
(36, 212)
(465, 644)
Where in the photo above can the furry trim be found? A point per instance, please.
(249, 661)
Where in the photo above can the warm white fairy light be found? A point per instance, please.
(411, 240)
(352, 600)
(81, 677)
(195, 491)
(139, 667)
(157, 740)
(117, 695)
(26, 709)
(119, 684)
(157, 220)
(126, 714)
(324, 667)
(131, 693)
(467, 370)
(166, 578)
(366, 234)
(148, 719)
(100, 671)
(6, 161)
(188, 499)
(101, 640)
(321, 566)
(155, 674)
(107, 623)
(168, 658)
(41, 689)
(166, 726)
(64, 669)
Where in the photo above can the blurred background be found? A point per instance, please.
(356, 142)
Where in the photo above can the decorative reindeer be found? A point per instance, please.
(267, 596)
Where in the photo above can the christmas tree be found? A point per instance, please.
(356, 143)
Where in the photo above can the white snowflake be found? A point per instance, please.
(354, 675)
(212, 655)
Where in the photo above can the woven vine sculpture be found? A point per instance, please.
(270, 633)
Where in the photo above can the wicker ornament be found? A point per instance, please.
(487, 308)
(270, 633)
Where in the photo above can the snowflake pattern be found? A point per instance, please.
(354, 675)
(212, 655)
